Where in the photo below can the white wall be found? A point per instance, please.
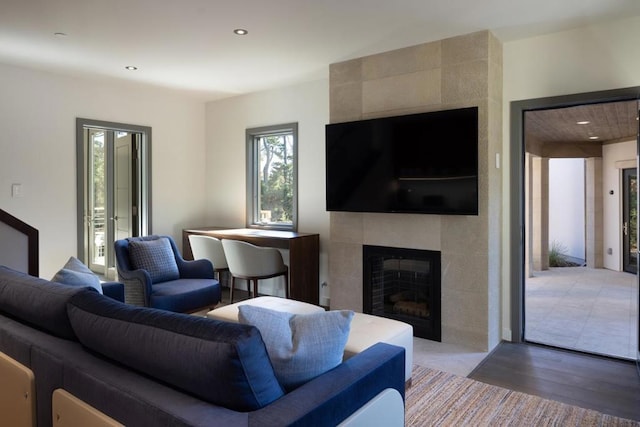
(586, 59)
(38, 112)
(612, 209)
(226, 122)
(566, 205)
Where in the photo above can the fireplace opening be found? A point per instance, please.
(403, 284)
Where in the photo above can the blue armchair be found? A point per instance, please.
(155, 275)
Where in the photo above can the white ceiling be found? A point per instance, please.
(189, 44)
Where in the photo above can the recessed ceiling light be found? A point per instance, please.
(240, 31)
(130, 68)
(59, 34)
(583, 122)
(594, 137)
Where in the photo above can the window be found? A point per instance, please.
(272, 172)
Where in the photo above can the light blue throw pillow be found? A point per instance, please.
(75, 273)
(156, 257)
(300, 346)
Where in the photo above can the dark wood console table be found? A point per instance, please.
(304, 254)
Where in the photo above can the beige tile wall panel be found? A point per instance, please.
(345, 270)
(495, 70)
(465, 271)
(402, 231)
(402, 61)
(465, 82)
(346, 72)
(495, 200)
(346, 227)
(452, 73)
(464, 234)
(470, 328)
(594, 213)
(345, 101)
(468, 337)
(401, 92)
(465, 48)
(540, 213)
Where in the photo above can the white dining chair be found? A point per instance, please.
(253, 263)
(210, 248)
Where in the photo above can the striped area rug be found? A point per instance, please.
(442, 399)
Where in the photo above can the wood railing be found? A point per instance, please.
(31, 233)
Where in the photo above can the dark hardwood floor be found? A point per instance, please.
(607, 385)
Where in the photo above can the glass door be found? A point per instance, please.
(630, 220)
(124, 168)
(113, 189)
(636, 205)
(110, 196)
(97, 192)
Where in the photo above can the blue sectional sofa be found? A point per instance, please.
(141, 366)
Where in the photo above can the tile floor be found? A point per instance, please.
(580, 308)
(452, 358)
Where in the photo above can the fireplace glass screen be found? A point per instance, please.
(404, 284)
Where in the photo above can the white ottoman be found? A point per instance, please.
(229, 312)
(366, 330)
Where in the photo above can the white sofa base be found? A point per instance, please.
(386, 409)
(17, 393)
(69, 411)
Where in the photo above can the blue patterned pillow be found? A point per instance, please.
(300, 346)
(75, 273)
(156, 257)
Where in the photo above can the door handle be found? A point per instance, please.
(625, 228)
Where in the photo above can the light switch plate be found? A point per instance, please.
(16, 190)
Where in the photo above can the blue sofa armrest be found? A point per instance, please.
(332, 397)
(197, 269)
(113, 290)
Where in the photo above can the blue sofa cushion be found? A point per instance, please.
(183, 295)
(38, 302)
(301, 346)
(222, 363)
(156, 257)
(75, 273)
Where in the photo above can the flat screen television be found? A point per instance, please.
(420, 163)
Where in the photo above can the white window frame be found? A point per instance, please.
(253, 184)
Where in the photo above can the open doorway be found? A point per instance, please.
(554, 305)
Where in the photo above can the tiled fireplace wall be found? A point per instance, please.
(452, 73)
